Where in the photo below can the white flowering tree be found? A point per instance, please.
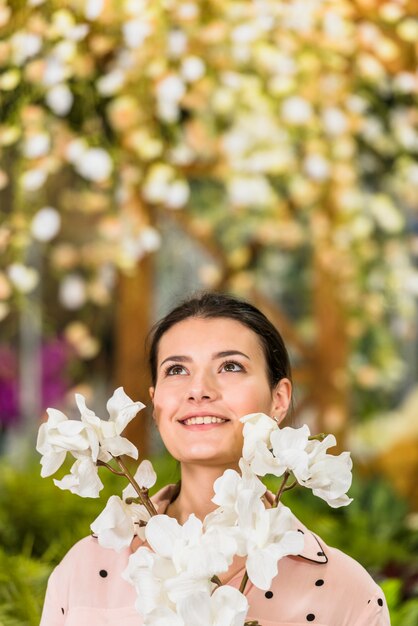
(280, 135)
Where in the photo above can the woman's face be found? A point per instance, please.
(211, 372)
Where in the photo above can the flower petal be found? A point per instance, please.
(114, 526)
(162, 532)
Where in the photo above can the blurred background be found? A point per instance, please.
(266, 148)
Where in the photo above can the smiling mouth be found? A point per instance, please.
(207, 419)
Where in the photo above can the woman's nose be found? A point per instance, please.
(202, 388)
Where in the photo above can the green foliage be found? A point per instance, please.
(22, 587)
(401, 613)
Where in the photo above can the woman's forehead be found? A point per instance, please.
(209, 334)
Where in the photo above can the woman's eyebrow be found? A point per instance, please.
(224, 353)
(177, 358)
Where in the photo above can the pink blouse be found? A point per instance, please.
(321, 586)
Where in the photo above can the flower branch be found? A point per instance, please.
(195, 554)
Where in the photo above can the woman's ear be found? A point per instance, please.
(282, 396)
(151, 392)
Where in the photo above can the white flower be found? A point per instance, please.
(46, 224)
(56, 72)
(192, 68)
(111, 83)
(296, 110)
(145, 476)
(24, 278)
(121, 411)
(285, 450)
(157, 583)
(177, 194)
(75, 149)
(273, 450)
(36, 145)
(135, 32)
(32, 180)
(83, 479)
(93, 9)
(250, 190)
(329, 476)
(225, 607)
(163, 616)
(317, 167)
(59, 99)
(176, 43)
(60, 435)
(118, 523)
(72, 292)
(24, 46)
(94, 164)
(170, 88)
(197, 551)
(267, 536)
(335, 121)
(257, 427)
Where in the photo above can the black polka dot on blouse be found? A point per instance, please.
(269, 594)
(62, 610)
(380, 602)
(321, 553)
(319, 582)
(310, 617)
(103, 573)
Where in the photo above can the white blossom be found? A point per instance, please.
(226, 606)
(24, 278)
(72, 292)
(121, 411)
(317, 167)
(93, 9)
(111, 83)
(56, 72)
(296, 110)
(59, 435)
(118, 523)
(192, 68)
(83, 479)
(329, 476)
(135, 32)
(264, 535)
(59, 99)
(36, 145)
(32, 180)
(145, 477)
(24, 46)
(279, 450)
(94, 164)
(46, 224)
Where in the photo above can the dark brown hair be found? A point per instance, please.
(214, 305)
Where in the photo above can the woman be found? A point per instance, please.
(214, 359)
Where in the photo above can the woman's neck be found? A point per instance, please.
(196, 492)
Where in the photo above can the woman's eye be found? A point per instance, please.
(174, 370)
(231, 366)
